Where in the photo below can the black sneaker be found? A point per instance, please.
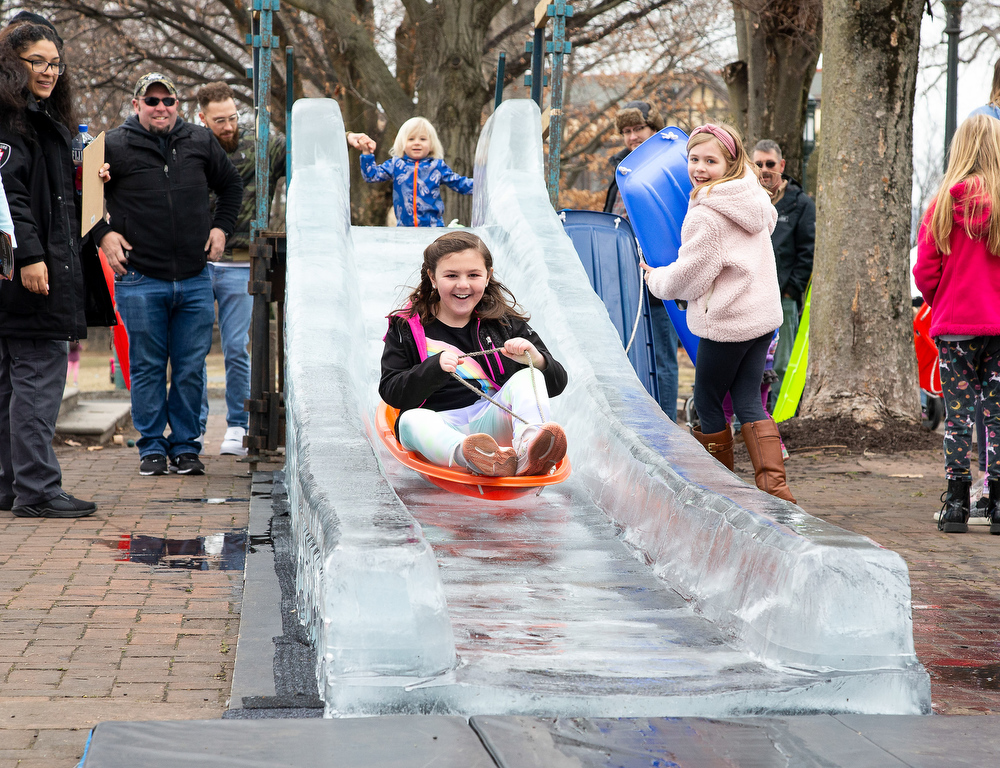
(153, 464)
(62, 505)
(187, 464)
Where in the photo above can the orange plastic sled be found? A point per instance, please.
(457, 480)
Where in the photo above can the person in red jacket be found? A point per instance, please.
(958, 273)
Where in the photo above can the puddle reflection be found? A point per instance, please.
(215, 552)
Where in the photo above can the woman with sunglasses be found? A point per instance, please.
(55, 288)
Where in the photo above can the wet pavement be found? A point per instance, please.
(129, 614)
(88, 635)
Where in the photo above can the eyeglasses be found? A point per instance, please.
(154, 101)
(769, 164)
(234, 119)
(40, 66)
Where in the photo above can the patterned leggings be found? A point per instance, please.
(970, 369)
(437, 434)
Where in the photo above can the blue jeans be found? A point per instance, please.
(167, 321)
(665, 351)
(229, 284)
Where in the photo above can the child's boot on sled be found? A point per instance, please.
(764, 446)
(954, 516)
(719, 444)
(993, 507)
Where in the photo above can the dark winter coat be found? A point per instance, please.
(793, 239)
(38, 177)
(609, 199)
(406, 381)
(158, 196)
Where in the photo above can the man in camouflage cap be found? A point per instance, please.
(160, 235)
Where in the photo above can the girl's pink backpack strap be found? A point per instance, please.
(417, 328)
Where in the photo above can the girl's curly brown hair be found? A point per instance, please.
(14, 40)
(497, 303)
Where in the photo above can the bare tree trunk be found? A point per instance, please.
(778, 45)
(862, 364)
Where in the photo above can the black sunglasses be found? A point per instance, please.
(759, 163)
(153, 101)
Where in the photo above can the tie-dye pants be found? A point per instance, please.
(970, 369)
(437, 434)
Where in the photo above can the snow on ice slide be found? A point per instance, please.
(653, 582)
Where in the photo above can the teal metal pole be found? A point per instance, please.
(263, 43)
(558, 47)
(289, 100)
(498, 90)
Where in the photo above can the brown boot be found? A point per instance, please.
(719, 444)
(764, 446)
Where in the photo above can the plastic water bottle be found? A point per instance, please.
(81, 140)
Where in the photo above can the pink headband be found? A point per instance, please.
(719, 133)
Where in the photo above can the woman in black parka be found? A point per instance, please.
(56, 288)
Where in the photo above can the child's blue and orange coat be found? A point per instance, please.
(416, 185)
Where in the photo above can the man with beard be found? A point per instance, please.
(793, 239)
(160, 233)
(231, 274)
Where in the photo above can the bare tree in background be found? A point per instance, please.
(779, 44)
(861, 363)
(384, 63)
(662, 60)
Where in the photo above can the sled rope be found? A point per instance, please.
(642, 296)
(501, 406)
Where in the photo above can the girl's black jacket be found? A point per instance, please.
(407, 382)
(38, 175)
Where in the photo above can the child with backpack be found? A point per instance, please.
(958, 274)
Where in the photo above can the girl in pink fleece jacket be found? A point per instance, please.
(726, 273)
(958, 273)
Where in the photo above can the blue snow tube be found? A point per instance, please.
(606, 246)
(654, 185)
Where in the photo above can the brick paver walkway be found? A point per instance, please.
(953, 577)
(87, 635)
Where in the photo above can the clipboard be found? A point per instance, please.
(93, 187)
(6, 257)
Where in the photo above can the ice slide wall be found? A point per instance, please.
(788, 588)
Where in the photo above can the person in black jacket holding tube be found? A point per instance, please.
(56, 289)
(161, 232)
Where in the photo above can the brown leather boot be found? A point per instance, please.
(719, 444)
(764, 446)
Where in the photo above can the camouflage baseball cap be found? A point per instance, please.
(142, 85)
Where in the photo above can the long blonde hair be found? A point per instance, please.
(735, 165)
(974, 154)
(408, 129)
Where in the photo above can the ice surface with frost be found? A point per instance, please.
(652, 582)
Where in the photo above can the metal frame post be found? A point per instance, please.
(953, 28)
(265, 404)
(559, 46)
(289, 101)
(498, 89)
(536, 79)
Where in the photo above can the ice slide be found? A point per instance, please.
(652, 582)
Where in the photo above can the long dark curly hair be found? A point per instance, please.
(498, 303)
(14, 40)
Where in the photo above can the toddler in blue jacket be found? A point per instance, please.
(417, 170)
